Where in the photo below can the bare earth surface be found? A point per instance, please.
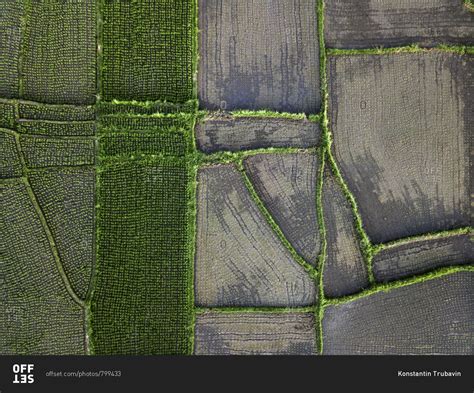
(420, 256)
(401, 127)
(244, 133)
(255, 334)
(371, 23)
(239, 259)
(272, 64)
(433, 317)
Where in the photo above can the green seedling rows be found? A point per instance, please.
(148, 50)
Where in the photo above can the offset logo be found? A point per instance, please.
(23, 373)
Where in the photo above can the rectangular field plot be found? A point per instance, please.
(39, 111)
(59, 52)
(10, 164)
(139, 143)
(7, 114)
(148, 50)
(244, 133)
(402, 126)
(57, 128)
(10, 47)
(428, 318)
(259, 55)
(138, 135)
(255, 334)
(420, 256)
(40, 151)
(372, 23)
(141, 303)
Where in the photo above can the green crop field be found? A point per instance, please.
(236, 177)
(148, 50)
(140, 304)
(58, 51)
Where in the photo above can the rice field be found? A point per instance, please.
(184, 177)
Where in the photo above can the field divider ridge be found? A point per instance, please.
(271, 221)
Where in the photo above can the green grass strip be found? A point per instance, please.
(156, 115)
(270, 310)
(319, 310)
(469, 4)
(253, 193)
(87, 329)
(9, 132)
(315, 118)
(386, 287)
(426, 236)
(260, 114)
(269, 114)
(191, 213)
(366, 246)
(228, 157)
(325, 138)
(459, 49)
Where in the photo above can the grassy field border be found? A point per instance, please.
(234, 157)
(414, 48)
(423, 237)
(469, 4)
(319, 282)
(259, 114)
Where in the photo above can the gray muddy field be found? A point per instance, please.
(433, 317)
(242, 133)
(401, 127)
(255, 334)
(372, 23)
(272, 64)
(420, 256)
(239, 259)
